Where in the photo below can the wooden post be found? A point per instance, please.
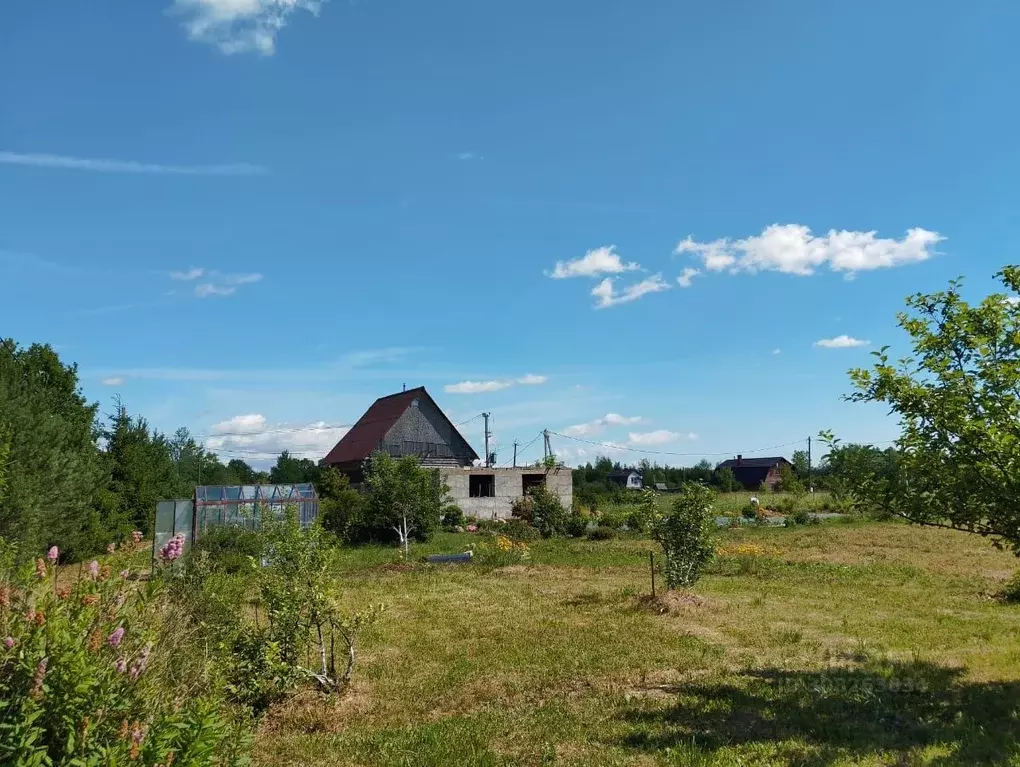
(651, 565)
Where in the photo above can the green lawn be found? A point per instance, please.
(839, 644)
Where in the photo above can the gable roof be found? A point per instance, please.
(364, 437)
(752, 463)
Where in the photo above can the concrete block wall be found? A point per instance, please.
(508, 485)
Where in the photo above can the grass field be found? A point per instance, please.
(831, 644)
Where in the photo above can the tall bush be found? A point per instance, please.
(97, 672)
(685, 533)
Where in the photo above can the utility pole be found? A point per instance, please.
(548, 446)
(809, 464)
(515, 454)
(486, 417)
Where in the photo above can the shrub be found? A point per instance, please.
(785, 506)
(685, 533)
(452, 516)
(615, 518)
(518, 530)
(99, 672)
(577, 526)
(501, 552)
(549, 515)
(1011, 591)
(230, 548)
(800, 517)
(523, 508)
(602, 533)
(750, 511)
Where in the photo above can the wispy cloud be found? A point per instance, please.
(240, 26)
(687, 277)
(113, 381)
(604, 260)
(777, 351)
(216, 283)
(468, 156)
(192, 274)
(591, 428)
(793, 249)
(657, 437)
(607, 296)
(127, 166)
(480, 387)
(840, 342)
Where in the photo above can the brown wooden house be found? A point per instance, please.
(752, 472)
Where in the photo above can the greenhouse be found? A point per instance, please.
(244, 505)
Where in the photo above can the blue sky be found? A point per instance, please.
(628, 223)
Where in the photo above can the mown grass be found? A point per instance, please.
(830, 644)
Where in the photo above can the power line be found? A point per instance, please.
(522, 451)
(322, 427)
(614, 446)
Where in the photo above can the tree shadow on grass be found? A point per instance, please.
(835, 714)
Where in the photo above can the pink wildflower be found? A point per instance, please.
(124, 574)
(40, 568)
(174, 548)
(115, 638)
(120, 599)
(53, 554)
(141, 663)
(94, 569)
(111, 547)
(9, 642)
(472, 528)
(136, 536)
(120, 665)
(40, 675)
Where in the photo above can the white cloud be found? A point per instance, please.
(777, 351)
(607, 296)
(604, 260)
(218, 284)
(687, 277)
(467, 156)
(792, 249)
(240, 26)
(192, 274)
(840, 342)
(251, 438)
(113, 381)
(659, 437)
(252, 423)
(127, 166)
(594, 427)
(476, 387)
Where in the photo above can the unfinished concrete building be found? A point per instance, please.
(411, 423)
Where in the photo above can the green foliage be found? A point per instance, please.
(230, 548)
(789, 482)
(453, 516)
(289, 470)
(98, 673)
(726, 481)
(685, 533)
(959, 410)
(800, 463)
(519, 530)
(401, 489)
(548, 515)
(341, 507)
(603, 533)
(577, 525)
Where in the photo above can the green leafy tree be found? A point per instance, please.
(801, 467)
(958, 401)
(726, 481)
(241, 472)
(686, 533)
(289, 470)
(53, 466)
(341, 507)
(404, 497)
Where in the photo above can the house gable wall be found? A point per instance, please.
(424, 424)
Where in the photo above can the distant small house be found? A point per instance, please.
(752, 472)
(628, 478)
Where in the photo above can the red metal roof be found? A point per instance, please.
(364, 437)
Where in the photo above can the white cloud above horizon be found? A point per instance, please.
(591, 428)
(252, 438)
(604, 260)
(240, 26)
(686, 277)
(841, 342)
(793, 249)
(113, 381)
(216, 283)
(607, 296)
(479, 387)
(103, 165)
(657, 437)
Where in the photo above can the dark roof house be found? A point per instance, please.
(752, 472)
(626, 478)
(407, 423)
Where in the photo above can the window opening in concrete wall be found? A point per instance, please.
(529, 481)
(482, 485)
